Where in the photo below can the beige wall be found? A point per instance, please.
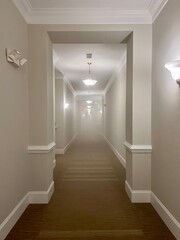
(166, 110)
(59, 113)
(50, 92)
(65, 126)
(14, 165)
(69, 114)
(115, 111)
(141, 93)
(129, 90)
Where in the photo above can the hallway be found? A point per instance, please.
(89, 201)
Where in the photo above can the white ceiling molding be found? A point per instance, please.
(66, 80)
(155, 7)
(116, 72)
(24, 8)
(90, 15)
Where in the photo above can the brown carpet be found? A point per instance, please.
(89, 201)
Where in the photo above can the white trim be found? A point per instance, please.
(166, 216)
(155, 7)
(138, 148)
(59, 151)
(84, 16)
(89, 16)
(13, 217)
(41, 149)
(68, 83)
(138, 196)
(118, 155)
(42, 197)
(64, 77)
(116, 72)
(63, 150)
(54, 163)
(23, 8)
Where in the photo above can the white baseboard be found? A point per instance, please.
(118, 155)
(13, 217)
(63, 150)
(41, 197)
(31, 197)
(141, 196)
(138, 196)
(167, 217)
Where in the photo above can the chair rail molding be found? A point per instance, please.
(41, 148)
(138, 148)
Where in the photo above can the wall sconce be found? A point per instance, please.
(174, 68)
(15, 57)
(66, 105)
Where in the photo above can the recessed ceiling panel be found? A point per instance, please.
(73, 63)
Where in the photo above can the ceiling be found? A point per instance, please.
(89, 11)
(71, 47)
(71, 61)
(127, 4)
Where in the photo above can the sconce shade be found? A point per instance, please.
(15, 57)
(174, 68)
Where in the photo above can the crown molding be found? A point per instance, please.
(89, 16)
(155, 7)
(81, 16)
(24, 8)
(68, 83)
(116, 72)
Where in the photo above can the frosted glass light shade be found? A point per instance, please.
(174, 68)
(89, 82)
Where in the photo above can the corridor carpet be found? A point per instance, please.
(89, 201)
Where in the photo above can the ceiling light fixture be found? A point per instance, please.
(89, 81)
(89, 101)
